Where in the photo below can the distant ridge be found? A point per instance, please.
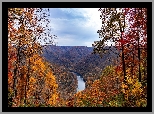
(79, 58)
(105, 47)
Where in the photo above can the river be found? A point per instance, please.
(81, 83)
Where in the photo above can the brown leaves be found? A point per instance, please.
(26, 68)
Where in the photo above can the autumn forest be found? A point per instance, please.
(42, 75)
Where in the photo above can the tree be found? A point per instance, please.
(25, 32)
(130, 37)
(113, 25)
(137, 35)
(127, 29)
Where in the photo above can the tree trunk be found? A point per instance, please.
(123, 63)
(138, 45)
(123, 57)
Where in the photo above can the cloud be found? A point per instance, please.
(75, 26)
(88, 44)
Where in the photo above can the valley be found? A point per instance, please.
(77, 59)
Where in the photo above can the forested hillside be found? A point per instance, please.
(80, 59)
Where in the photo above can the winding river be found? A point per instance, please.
(81, 83)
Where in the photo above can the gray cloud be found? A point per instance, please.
(73, 27)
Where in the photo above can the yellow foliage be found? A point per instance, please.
(124, 86)
(38, 64)
(137, 90)
(133, 89)
(53, 99)
(130, 80)
(113, 103)
(32, 80)
(40, 68)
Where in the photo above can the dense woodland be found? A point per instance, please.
(80, 59)
(40, 75)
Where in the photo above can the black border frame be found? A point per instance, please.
(6, 5)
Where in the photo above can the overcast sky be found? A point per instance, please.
(75, 26)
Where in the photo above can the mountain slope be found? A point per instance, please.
(80, 59)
